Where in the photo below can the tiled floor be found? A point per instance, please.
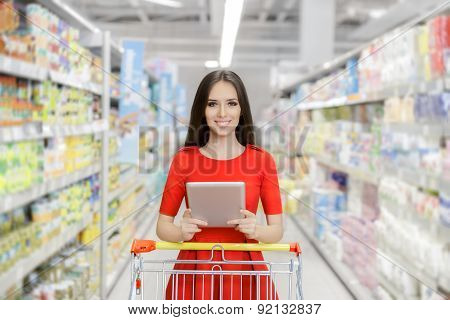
(319, 282)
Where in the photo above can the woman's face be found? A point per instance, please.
(222, 110)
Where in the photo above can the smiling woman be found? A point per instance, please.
(220, 148)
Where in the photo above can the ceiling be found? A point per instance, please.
(268, 34)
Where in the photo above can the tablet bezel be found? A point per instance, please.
(208, 201)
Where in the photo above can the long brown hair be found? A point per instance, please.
(198, 131)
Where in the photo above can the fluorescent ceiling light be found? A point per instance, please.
(168, 3)
(377, 13)
(231, 21)
(326, 65)
(211, 63)
(89, 25)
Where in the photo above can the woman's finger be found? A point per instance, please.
(247, 221)
(247, 213)
(235, 221)
(187, 213)
(196, 221)
(192, 229)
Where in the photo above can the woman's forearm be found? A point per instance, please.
(168, 231)
(269, 234)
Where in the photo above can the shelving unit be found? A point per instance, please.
(24, 266)
(19, 199)
(101, 43)
(125, 259)
(342, 271)
(37, 131)
(414, 177)
(345, 118)
(30, 71)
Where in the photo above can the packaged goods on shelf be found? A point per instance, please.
(21, 166)
(359, 248)
(368, 146)
(49, 42)
(64, 155)
(22, 101)
(16, 107)
(65, 105)
(117, 243)
(444, 208)
(71, 275)
(9, 19)
(407, 245)
(27, 228)
(415, 57)
(114, 174)
(329, 206)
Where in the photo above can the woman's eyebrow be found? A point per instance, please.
(231, 99)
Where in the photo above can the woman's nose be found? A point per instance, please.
(222, 111)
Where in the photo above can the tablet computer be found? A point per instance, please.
(216, 202)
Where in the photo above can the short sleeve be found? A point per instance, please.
(270, 190)
(175, 189)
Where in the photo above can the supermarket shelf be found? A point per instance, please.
(125, 261)
(19, 199)
(27, 131)
(36, 131)
(395, 294)
(435, 86)
(75, 82)
(342, 271)
(413, 271)
(354, 172)
(125, 190)
(31, 71)
(76, 130)
(414, 177)
(24, 266)
(22, 69)
(437, 129)
(340, 61)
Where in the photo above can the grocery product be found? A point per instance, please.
(16, 107)
(27, 228)
(21, 165)
(9, 19)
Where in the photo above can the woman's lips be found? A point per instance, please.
(223, 123)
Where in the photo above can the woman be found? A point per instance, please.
(220, 147)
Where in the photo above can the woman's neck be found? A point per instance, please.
(223, 147)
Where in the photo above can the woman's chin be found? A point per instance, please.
(222, 132)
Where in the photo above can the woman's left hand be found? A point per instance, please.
(246, 225)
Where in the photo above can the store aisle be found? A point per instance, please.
(319, 282)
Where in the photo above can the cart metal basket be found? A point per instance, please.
(214, 280)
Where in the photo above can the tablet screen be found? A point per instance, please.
(216, 202)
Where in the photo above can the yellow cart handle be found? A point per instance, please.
(142, 246)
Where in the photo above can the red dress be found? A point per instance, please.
(257, 169)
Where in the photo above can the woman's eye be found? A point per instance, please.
(211, 104)
(233, 104)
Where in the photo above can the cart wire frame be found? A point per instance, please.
(138, 268)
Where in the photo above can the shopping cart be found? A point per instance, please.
(284, 278)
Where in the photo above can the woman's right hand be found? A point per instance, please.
(190, 226)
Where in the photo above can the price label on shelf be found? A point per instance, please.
(18, 132)
(7, 203)
(7, 134)
(447, 83)
(423, 180)
(6, 64)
